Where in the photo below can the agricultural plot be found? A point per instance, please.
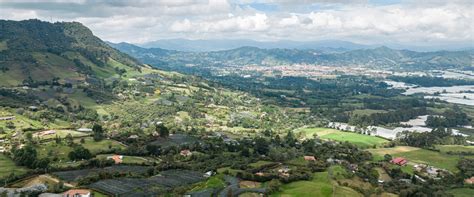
(364, 141)
(7, 167)
(320, 185)
(59, 133)
(417, 155)
(455, 148)
(152, 186)
(129, 159)
(75, 175)
(175, 140)
(61, 151)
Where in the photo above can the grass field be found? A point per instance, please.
(320, 185)
(455, 148)
(363, 141)
(7, 167)
(417, 155)
(462, 192)
(61, 151)
(213, 182)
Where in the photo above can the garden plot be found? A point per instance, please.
(75, 175)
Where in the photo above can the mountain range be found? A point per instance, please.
(203, 45)
(380, 57)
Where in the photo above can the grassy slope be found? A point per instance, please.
(333, 134)
(7, 167)
(320, 185)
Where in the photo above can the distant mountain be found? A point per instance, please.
(36, 51)
(227, 44)
(382, 57)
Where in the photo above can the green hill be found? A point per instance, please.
(34, 52)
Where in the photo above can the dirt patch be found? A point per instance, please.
(249, 184)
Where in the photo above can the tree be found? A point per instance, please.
(80, 153)
(69, 140)
(387, 157)
(10, 125)
(25, 156)
(162, 130)
(42, 163)
(261, 146)
(98, 132)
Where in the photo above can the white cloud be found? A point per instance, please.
(146, 20)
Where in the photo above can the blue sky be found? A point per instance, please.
(415, 22)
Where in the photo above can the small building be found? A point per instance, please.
(469, 181)
(77, 193)
(208, 174)
(186, 153)
(33, 108)
(84, 130)
(399, 161)
(118, 159)
(133, 137)
(309, 158)
(7, 118)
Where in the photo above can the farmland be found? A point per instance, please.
(75, 175)
(155, 185)
(320, 185)
(8, 167)
(61, 151)
(364, 141)
(417, 155)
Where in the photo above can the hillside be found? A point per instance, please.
(382, 57)
(34, 51)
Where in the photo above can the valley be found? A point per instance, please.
(78, 114)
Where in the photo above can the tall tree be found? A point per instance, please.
(98, 132)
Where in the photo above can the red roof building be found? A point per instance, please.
(399, 161)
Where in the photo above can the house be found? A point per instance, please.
(309, 158)
(33, 108)
(259, 174)
(117, 158)
(208, 174)
(186, 153)
(399, 161)
(469, 181)
(133, 137)
(77, 193)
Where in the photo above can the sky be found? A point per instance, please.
(415, 22)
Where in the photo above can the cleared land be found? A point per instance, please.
(360, 140)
